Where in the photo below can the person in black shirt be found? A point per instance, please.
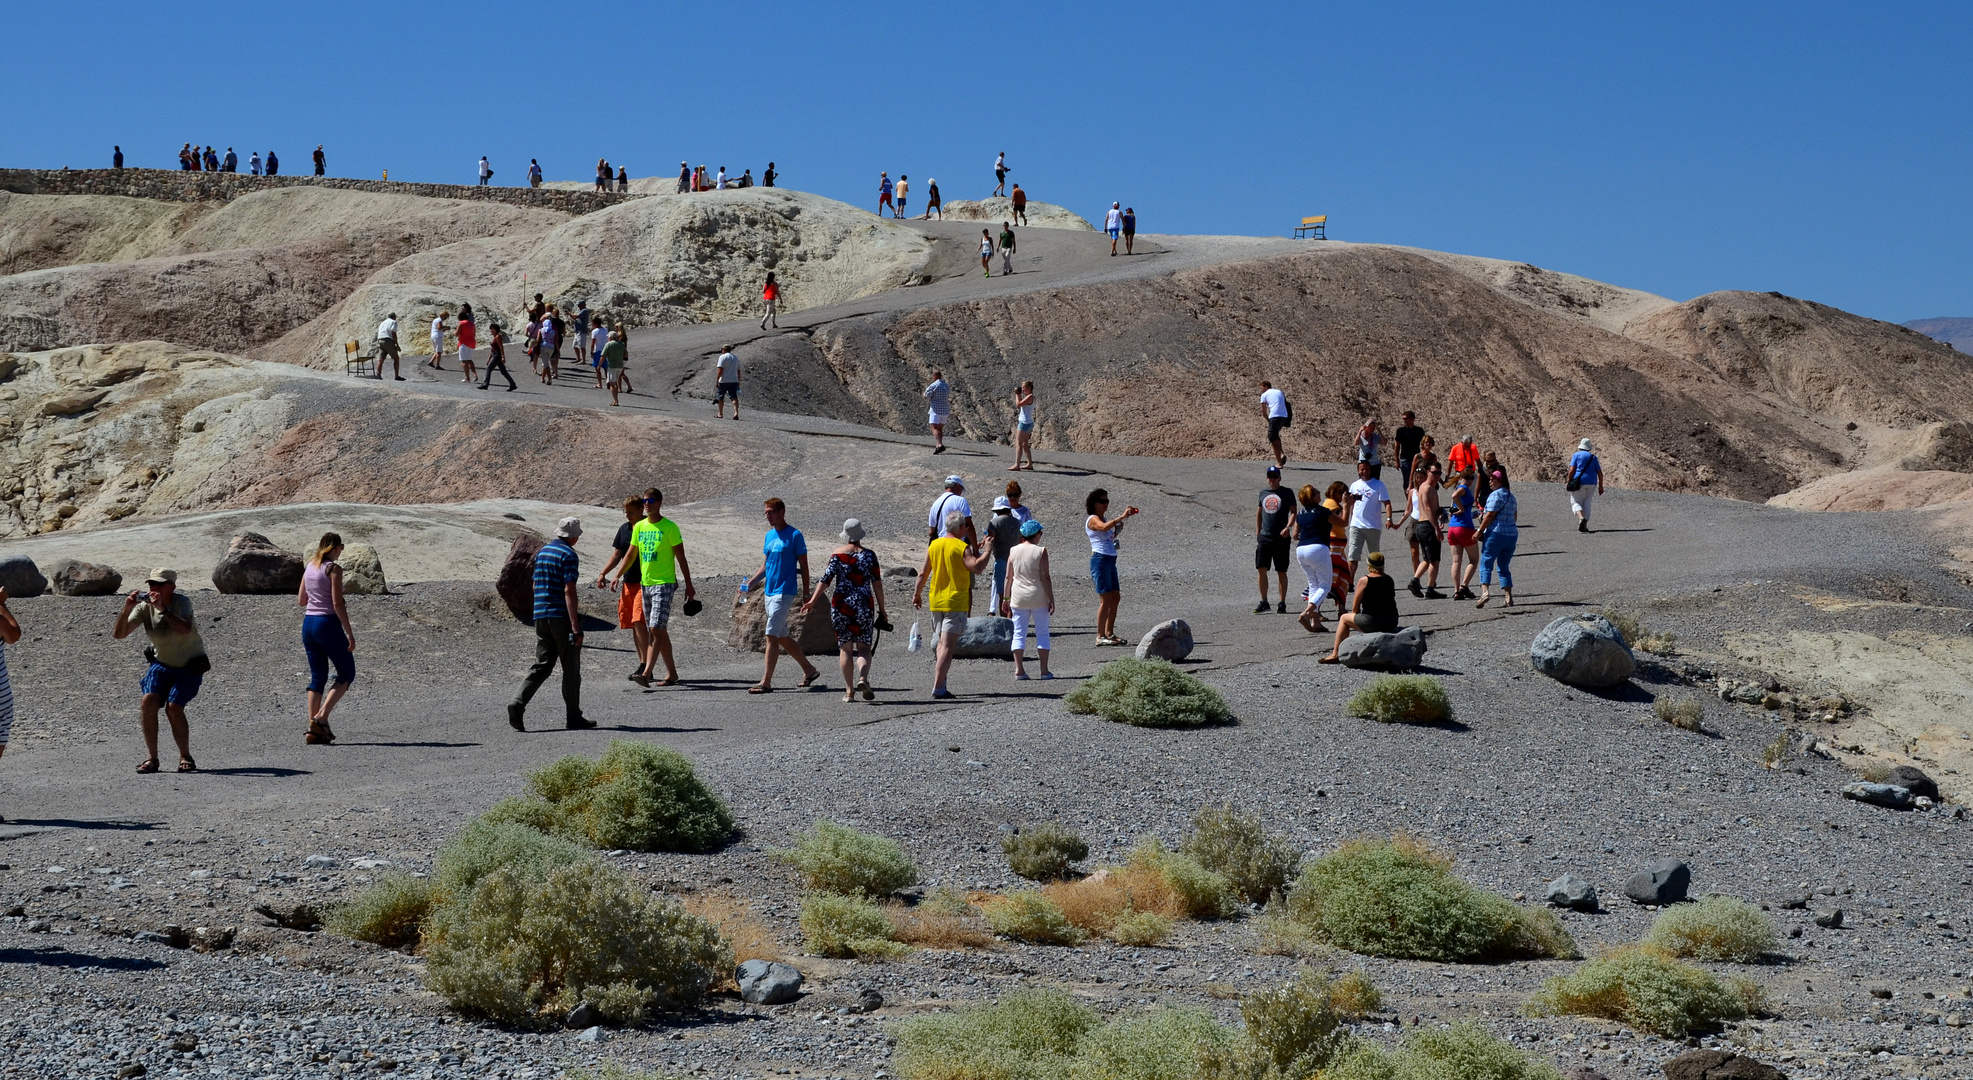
(630, 579)
(1408, 435)
(767, 178)
(1375, 610)
(1312, 551)
(1272, 519)
(116, 160)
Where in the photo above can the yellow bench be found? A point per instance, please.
(1315, 228)
(354, 363)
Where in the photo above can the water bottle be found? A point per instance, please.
(917, 640)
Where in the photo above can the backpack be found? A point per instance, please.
(1288, 407)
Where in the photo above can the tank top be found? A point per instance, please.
(315, 584)
(1024, 577)
(1461, 510)
(1027, 413)
(1380, 599)
(1101, 541)
(1312, 526)
(1417, 505)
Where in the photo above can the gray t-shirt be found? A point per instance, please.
(1004, 532)
(729, 368)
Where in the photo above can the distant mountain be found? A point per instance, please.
(1957, 333)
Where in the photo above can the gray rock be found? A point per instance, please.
(76, 578)
(21, 578)
(515, 584)
(811, 630)
(254, 565)
(321, 862)
(1572, 892)
(986, 636)
(363, 571)
(593, 1034)
(1719, 1065)
(1663, 882)
(1913, 779)
(582, 1016)
(1401, 651)
(1583, 1072)
(1831, 919)
(1890, 796)
(869, 1000)
(1169, 640)
(764, 982)
(1583, 650)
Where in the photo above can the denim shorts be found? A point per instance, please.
(176, 685)
(1103, 573)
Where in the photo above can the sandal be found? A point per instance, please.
(849, 697)
(810, 681)
(760, 689)
(672, 681)
(864, 686)
(187, 765)
(148, 765)
(1330, 660)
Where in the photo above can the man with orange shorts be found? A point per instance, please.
(630, 598)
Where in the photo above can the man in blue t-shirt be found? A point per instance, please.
(557, 627)
(783, 581)
(1584, 470)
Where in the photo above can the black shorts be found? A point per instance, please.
(1271, 552)
(1426, 536)
(1274, 426)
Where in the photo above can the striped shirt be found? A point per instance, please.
(940, 395)
(6, 699)
(554, 567)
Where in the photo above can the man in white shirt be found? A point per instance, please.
(1370, 515)
(726, 382)
(953, 501)
(1274, 406)
(486, 170)
(387, 346)
(1000, 174)
(438, 340)
(1113, 223)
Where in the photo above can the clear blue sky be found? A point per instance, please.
(1816, 149)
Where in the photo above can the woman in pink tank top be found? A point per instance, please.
(326, 635)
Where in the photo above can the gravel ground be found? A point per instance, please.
(1534, 779)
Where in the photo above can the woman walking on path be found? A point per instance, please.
(468, 334)
(1584, 470)
(770, 298)
(496, 358)
(986, 253)
(856, 608)
(1463, 538)
(1023, 427)
(1498, 535)
(327, 636)
(1425, 546)
(1342, 579)
(531, 343)
(10, 632)
(1424, 459)
(1030, 596)
(1312, 552)
(1103, 562)
(438, 341)
(1375, 610)
(932, 205)
(599, 339)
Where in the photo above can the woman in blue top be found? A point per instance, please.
(1463, 538)
(1584, 470)
(1498, 535)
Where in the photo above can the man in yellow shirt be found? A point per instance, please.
(950, 563)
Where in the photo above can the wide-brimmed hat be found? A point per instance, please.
(852, 530)
(163, 575)
(1000, 503)
(569, 528)
(1583, 445)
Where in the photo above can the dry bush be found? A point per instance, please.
(388, 913)
(1148, 693)
(1043, 852)
(746, 936)
(1647, 988)
(639, 796)
(933, 928)
(1354, 995)
(1875, 770)
(1464, 1050)
(1203, 893)
(1402, 699)
(946, 900)
(848, 926)
(1233, 844)
(1291, 1032)
(1027, 915)
(1098, 901)
(1637, 633)
(1399, 898)
(1716, 928)
(612, 1070)
(838, 859)
(1685, 713)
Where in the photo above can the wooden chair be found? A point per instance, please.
(1313, 228)
(354, 362)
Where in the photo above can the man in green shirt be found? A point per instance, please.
(660, 559)
(615, 356)
(177, 658)
(1006, 248)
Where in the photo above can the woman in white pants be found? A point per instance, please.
(1030, 596)
(1312, 552)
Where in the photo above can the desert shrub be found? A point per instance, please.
(746, 936)
(1234, 845)
(1402, 699)
(1637, 633)
(388, 913)
(1043, 852)
(838, 859)
(1114, 894)
(943, 920)
(1290, 1033)
(611, 1070)
(1165, 1044)
(1148, 693)
(1685, 712)
(1875, 770)
(1027, 1035)
(1202, 893)
(1354, 995)
(485, 846)
(1716, 928)
(1027, 915)
(1398, 898)
(1646, 987)
(522, 950)
(847, 926)
(946, 900)
(1464, 1051)
(1134, 927)
(639, 796)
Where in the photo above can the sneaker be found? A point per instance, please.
(1281, 608)
(1582, 526)
(1047, 676)
(938, 449)
(1260, 608)
(580, 723)
(942, 694)
(1415, 590)
(514, 718)
(1021, 676)
(1434, 594)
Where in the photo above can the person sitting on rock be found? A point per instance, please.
(1374, 611)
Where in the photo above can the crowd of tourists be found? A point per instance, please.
(191, 158)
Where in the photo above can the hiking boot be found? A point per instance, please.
(1281, 608)
(580, 723)
(1415, 590)
(514, 718)
(1261, 608)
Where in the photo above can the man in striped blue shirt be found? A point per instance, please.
(557, 627)
(940, 397)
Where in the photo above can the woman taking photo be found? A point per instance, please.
(1030, 596)
(856, 609)
(1312, 552)
(326, 635)
(1498, 535)
(1023, 428)
(1103, 562)
(1375, 610)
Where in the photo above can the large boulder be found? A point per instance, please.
(1169, 640)
(1913, 779)
(1401, 651)
(1719, 1065)
(764, 982)
(363, 571)
(1662, 883)
(987, 636)
(812, 631)
(516, 581)
(1572, 892)
(253, 564)
(1890, 796)
(74, 577)
(1583, 650)
(20, 577)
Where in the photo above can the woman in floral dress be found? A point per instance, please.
(857, 607)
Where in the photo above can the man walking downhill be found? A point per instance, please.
(661, 559)
(1020, 199)
(939, 396)
(883, 192)
(1006, 248)
(1000, 171)
(387, 347)
(1409, 437)
(1274, 406)
(557, 627)
(783, 581)
(1273, 518)
(726, 382)
(1113, 223)
(1370, 514)
(950, 564)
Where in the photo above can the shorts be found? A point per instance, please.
(1363, 541)
(1024, 425)
(1114, 233)
(1460, 536)
(177, 686)
(657, 604)
(1367, 624)
(1580, 498)
(779, 610)
(900, 205)
(936, 417)
(948, 622)
(1271, 551)
(630, 606)
(465, 355)
(1426, 536)
(1274, 426)
(728, 391)
(1103, 574)
(1129, 233)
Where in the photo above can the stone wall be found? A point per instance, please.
(172, 185)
